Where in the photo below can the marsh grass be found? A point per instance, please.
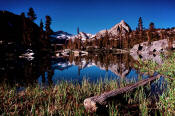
(66, 99)
(166, 102)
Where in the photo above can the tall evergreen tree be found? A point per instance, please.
(31, 14)
(47, 26)
(151, 26)
(41, 24)
(140, 24)
(78, 30)
(48, 22)
(41, 30)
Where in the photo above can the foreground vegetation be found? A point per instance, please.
(167, 70)
(67, 99)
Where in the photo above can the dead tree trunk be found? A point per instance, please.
(91, 104)
(149, 38)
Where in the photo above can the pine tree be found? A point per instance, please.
(41, 30)
(151, 26)
(79, 44)
(140, 24)
(31, 14)
(48, 22)
(41, 25)
(78, 30)
(47, 26)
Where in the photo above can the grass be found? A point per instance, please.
(167, 100)
(66, 99)
(63, 99)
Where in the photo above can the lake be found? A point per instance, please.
(49, 69)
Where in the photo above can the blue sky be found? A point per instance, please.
(92, 16)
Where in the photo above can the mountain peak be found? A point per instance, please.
(120, 28)
(122, 22)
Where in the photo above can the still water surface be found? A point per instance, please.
(50, 69)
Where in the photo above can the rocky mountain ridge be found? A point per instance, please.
(120, 28)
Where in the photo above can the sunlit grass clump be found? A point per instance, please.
(167, 70)
(65, 98)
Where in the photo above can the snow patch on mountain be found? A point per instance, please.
(83, 36)
(61, 35)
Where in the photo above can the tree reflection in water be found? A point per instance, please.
(16, 70)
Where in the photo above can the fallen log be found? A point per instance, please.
(91, 104)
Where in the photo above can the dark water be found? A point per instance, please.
(48, 69)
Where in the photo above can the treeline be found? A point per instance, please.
(29, 32)
(124, 40)
(21, 31)
(104, 42)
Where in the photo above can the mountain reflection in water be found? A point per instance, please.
(50, 70)
(93, 67)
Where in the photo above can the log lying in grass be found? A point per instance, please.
(91, 104)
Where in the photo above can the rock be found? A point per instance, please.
(155, 46)
(150, 52)
(76, 53)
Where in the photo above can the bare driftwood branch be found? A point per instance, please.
(91, 104)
